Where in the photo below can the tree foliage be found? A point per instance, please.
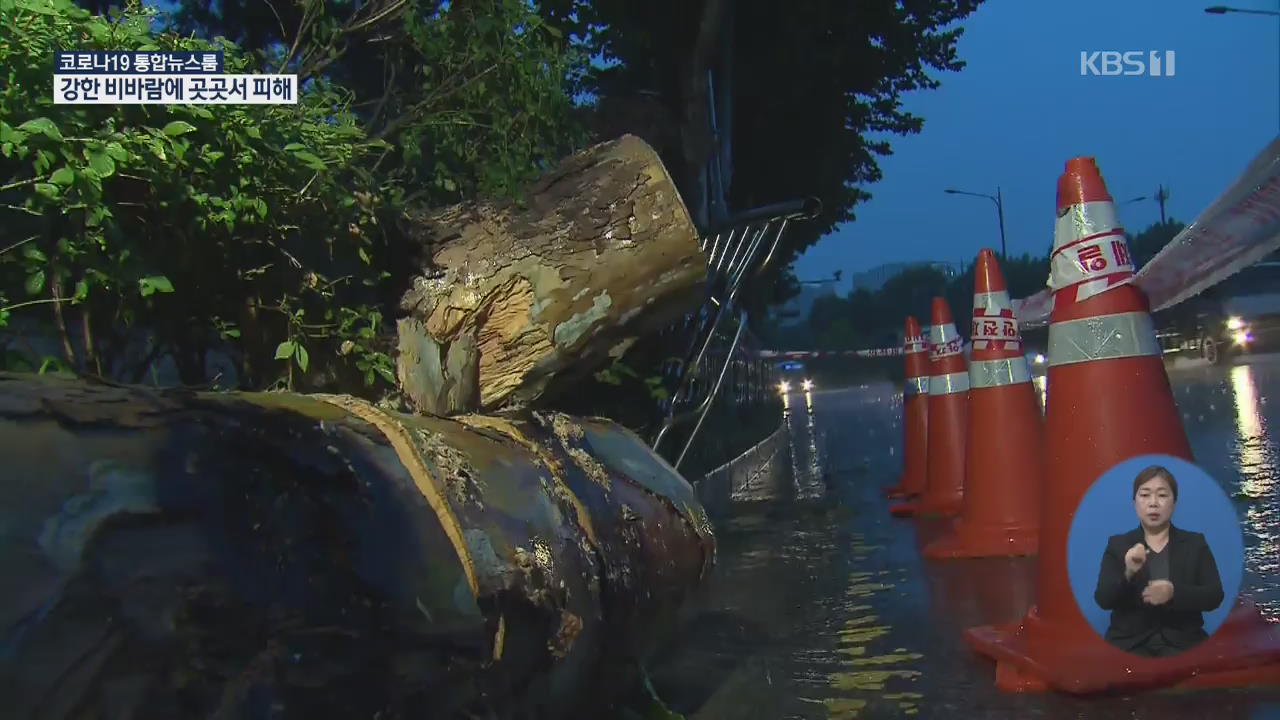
(1147, 243)
(817, 89)
(874, 319)
(270, 235)
(474, 96)
(273, 235)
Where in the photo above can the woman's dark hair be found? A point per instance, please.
(1152, 472)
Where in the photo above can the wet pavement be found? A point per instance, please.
(822, 607)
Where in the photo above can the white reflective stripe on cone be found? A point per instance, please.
(1085, 219)
(993, 302)
(916, 386)
(956, 382)
(995, 373)
(942, 334)
(1104, 337)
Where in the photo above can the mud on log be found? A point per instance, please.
(523, 297)
(176, 554)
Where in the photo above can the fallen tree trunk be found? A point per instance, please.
(172, 554)
(523, 298)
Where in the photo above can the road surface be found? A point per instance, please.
(822, 607)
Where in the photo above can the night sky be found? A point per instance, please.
(1021, 108)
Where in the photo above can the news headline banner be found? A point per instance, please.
(126, 77)
(140, 62)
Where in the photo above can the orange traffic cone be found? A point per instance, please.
(915, 413)
(948, 416)
(1109, 400)
(1005, 452)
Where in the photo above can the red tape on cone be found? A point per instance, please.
(1005, 440)
(948, 415)
(1120, 407)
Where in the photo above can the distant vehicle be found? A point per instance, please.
(793, 376)
(1239, 315)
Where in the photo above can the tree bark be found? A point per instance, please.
(175, 554)
(522, 299)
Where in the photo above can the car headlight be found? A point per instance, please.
(1039, 359)
(1235, 323)
(807, 385)
(784, 387)
(1241, 337)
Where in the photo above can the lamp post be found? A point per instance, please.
(1162, 194)
(835, 277)
(1223, 10)
(999, 201)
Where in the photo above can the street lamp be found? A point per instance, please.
(1004, 255)
(1223, 10)
(835, 277)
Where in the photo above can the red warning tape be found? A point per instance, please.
(1240, 228)
(803, 354)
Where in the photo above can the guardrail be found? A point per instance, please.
(763, 472)
(742, 247)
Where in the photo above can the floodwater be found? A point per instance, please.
(823, 608)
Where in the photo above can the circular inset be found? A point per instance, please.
(1155, 555)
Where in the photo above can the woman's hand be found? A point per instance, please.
(1134, 559)
(1157, 592)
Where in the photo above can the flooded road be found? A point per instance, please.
(823, 607)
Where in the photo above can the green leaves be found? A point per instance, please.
(310, 160)
(100, 161)
(178, 127)
(295, 351)
(35, 283)
(43, 7)
(152, 284)
(276, 204)
(43, 126)
(117, 152)
(10, 135)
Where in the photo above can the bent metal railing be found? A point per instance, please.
(742, 248)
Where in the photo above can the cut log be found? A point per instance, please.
(524, 298)
(176, 554)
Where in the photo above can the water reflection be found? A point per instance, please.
(1042, 386)
(835, 616)
(809, 477)
(788, 417)
(1254, 456)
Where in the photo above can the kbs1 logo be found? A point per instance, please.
(1155, 63)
